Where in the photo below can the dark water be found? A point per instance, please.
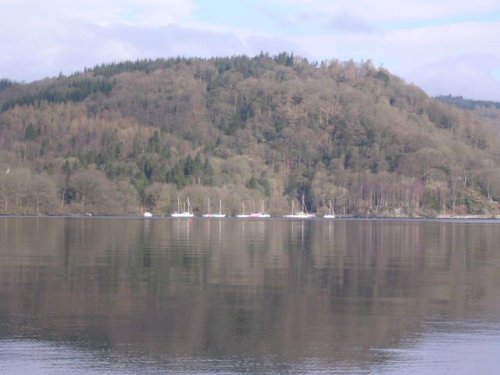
(127, 296)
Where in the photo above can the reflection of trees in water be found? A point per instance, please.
(231, 288)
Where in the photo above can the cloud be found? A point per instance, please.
(410, 52)
(38, 39)
(470, 75)
(349, 23)
(109, 12)
(423, 41)
(395, 10)
(87, 44)
(338, 22)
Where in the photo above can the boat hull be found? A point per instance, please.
(182, 214)
(214, 216)
(300, 216)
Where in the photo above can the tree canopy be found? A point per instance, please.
(121, 137)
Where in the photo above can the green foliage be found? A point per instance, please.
(440, 116)
(252, 183)
(284, 58)
(463, 103)
(5, 83)
(31, 133)
(191, 171)
(75, 91)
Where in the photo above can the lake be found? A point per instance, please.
(155, 296)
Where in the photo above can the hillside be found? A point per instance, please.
(464, 103)
(124, 137)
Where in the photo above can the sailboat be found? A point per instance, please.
(243, 215)
(214, 215)
(219, 214)
(330, 215)
(260, 214)
(303, 214)
(182, 213)
(208, 214)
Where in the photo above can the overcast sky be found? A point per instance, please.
(444, 46)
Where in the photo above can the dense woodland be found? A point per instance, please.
(127, 137)
(464, 103)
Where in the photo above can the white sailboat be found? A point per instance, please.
(208, 214)
(303, 214)
(330, 215)
(183, 213)
(219, 214)
(260, 214)
(214, 215)
(243, 215)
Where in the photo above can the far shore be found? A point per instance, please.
(338, 217)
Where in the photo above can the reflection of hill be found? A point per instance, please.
(232, 288)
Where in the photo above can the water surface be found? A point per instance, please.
(126, 296)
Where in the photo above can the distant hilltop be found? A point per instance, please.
(133, 136)
(463, 103)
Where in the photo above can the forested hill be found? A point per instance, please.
(464, 103)
(125, 137)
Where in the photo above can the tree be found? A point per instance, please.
(42, 194)
(91, 186)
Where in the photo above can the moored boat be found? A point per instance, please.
(331, 214)
(260, 214)
(184, 213)
(242, 215)
(217, 214)
(303, 214)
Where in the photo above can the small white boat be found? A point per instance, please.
(243, 215)
(260, 214)
(184, 213)
(148, 214)
(208, 214)
(215, 215)
(219, 216)
(300, 214)
(330, 215)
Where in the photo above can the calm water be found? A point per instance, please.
(127, 296)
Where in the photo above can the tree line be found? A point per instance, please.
(124, 137)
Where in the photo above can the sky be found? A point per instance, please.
(443, 46)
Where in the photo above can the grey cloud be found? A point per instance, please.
(340, 22)
(345, 22)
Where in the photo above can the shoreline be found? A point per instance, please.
(338, 218)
